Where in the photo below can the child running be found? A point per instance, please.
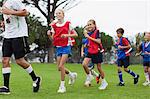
(62, 32)
(123, 54)
(145, 49)
(84, 52)
(94, 54)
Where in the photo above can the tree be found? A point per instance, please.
(107, 41)
(47, 9)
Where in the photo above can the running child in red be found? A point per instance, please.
(94, 53)
(62, 32)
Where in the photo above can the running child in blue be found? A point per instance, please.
(123, 47)
(145, 49)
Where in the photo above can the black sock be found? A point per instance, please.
(33, 76)
(6, 79)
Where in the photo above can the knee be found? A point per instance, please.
(145, 70)
(5, 62)
(125, 69)
(60, 68)
(119, 69)
(18, 61)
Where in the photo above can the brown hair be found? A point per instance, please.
(120, 30)
(93, 21)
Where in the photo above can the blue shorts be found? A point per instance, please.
(123, 62)
(63, 50)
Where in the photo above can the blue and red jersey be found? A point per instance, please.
(145, 47)
(93, 47)
(121, 53)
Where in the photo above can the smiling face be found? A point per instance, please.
(91, 26)
(147, 36)
(59, 14)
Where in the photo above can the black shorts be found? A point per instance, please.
(146, 64)
(96, 58)
(124, 62)
(17, 46)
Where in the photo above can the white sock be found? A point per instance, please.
(29, 69)
(94, 73)
(6, 70)
(62, 84)
(147, 76)
(70, 74)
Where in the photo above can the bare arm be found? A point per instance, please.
(13, 12)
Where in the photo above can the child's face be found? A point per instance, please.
(59, 15)
(147, 36)
(90, 26)
(119, 35)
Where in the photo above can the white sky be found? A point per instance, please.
(132, 15)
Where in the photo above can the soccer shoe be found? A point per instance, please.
(4, 90)
(146, 83)
(97, 80)
(88, 80)
(36, 84)
(72, 78)
(136, 79)
(121, 84)
(61, 90)
(103, 85)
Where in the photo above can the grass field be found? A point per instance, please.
(21, 84)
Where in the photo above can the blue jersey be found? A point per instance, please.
(145, 47)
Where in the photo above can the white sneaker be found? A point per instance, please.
(61, 90)
(72, 78)
(88, 80)
(103, 85)
(146, 83)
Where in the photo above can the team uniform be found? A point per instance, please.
(145, 47)
(95, 54)
(63, 47)
(123, 60)
(94, 48)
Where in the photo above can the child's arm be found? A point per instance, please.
(98, 40)
(72, 33)
(82, 52)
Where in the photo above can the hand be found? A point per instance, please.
(120, 47)
(49, 33)
(64, 35)
(147, 53)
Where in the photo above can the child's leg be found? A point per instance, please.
(100, 70)
(149, 73)
(85, 63)
(61, 66)
(130, 72)
(146, 73)
(120, 75)
(104, 83)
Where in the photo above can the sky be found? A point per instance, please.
(132, 15)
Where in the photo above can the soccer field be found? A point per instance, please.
(21, 84)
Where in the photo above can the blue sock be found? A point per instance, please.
(120, 76)
(131, 73)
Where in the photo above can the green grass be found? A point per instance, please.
(21, 84)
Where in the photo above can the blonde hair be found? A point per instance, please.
(61, 10)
